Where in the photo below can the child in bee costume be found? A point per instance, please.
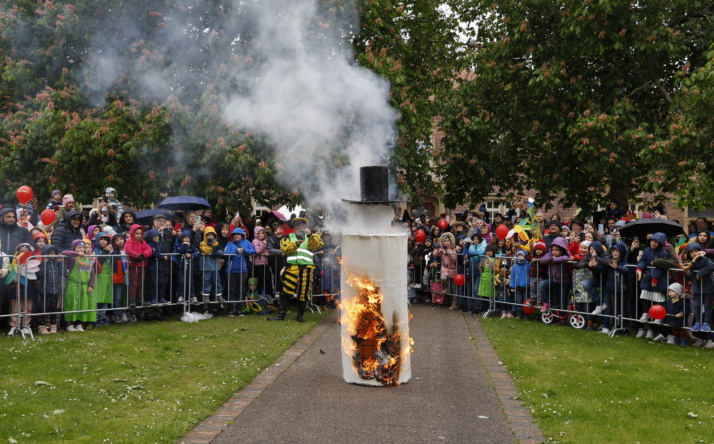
(299, 271)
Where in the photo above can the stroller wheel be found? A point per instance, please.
(577, 320)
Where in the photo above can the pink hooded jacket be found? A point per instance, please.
(260, 247)
(134, 249)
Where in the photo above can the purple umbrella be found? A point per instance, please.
(278, 214)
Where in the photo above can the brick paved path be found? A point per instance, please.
(458, 393)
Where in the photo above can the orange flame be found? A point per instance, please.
(376, 352)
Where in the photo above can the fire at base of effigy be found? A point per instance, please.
(374, 314)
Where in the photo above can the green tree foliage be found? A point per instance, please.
(131, 94)
(686, 149)
(417, 46)
(579, 97)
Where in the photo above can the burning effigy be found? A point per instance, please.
(373, 310)
(375, 348)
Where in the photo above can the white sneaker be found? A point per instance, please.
(645, 317)
(659, 321)
(670, 339)
(179, 301)
(123, 317)
(710, 344)
(71, 328)
(660, 338)
(698, 343)
(605, 330)
(79, 328)
(599, 309)
(640, 333)
(12, 331)
(650, 334)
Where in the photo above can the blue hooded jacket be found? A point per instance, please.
(474, 252)
(183, 249)
(617, 277)
(701, 272)
(521, 271)
(50, 278)
(237, 262)
(654, 279)
(156, 260)
(104, 258)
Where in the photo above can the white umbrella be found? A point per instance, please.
(287, 212)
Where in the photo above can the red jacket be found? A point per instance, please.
(118, 271)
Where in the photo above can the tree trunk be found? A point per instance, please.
(620, 193)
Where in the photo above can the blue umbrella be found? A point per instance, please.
(185, 203)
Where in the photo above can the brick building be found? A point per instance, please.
(434, 206)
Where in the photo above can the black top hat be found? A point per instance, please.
(374, 186)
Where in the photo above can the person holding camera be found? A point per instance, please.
(105, 215)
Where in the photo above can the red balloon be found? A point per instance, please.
(460, 279)
(528, 308)
(24, 194)
(443, 224)
(48, 216)
(658, 312)
(419, 235)
(501, 231)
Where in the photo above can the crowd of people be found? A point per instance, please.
(90, 268)
(553, 269)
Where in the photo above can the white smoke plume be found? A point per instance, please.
(297, 82)
(312, 101)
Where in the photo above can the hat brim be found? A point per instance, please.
(298, 220)
(374, 202)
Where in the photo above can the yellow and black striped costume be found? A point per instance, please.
(300, 268)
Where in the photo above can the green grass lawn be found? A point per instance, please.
(146, 382)
(584, 387)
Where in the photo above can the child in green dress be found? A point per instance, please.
(488, 267)
(79, 300)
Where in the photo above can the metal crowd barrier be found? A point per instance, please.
(188, 285)
(181, 283)
(625, 308)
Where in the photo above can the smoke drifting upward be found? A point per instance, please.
(324, 115)
(285, 69)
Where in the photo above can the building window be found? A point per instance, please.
(492, 207)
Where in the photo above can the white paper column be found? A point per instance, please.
(382, 258)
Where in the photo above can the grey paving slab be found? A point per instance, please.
(449, 399)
